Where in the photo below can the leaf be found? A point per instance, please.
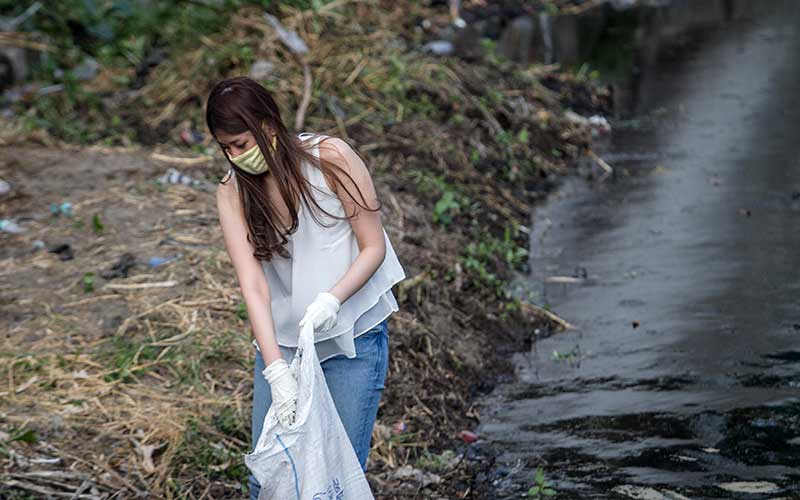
(26, 435)
(539, 477)
(533, 492)
(97, 225)
(548, 492)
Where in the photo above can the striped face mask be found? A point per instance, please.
(252, 161)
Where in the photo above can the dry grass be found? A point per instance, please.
(142, 385)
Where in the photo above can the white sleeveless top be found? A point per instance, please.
(319, 257)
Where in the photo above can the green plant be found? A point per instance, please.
(241, 311)
(88, 282)
(541, 488)
(97, 225)
(436, 462)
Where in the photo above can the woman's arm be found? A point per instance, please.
(248, 271)
(366, 225)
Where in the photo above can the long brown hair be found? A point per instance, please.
(239, 104)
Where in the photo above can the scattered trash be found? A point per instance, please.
(635, 324)
(160, 261)
(174, 176)
(399, 427)
(764, 422)
(597, 124)
(191, 137)
(64, 251)
(623, 4)
(745, 211)
(467, 436)
(424, 479)
(715, 180)
(9, 226)
(261, 69)
(749, 487)
(65, 208)
(562, 279)
(37, 244)
(794, 441)
(439, 47)
(289, 38)
(120, 269)
(4, 187)
(87, 69)
(711, 450)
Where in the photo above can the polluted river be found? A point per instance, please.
(681, 276)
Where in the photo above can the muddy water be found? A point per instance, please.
(683, 372)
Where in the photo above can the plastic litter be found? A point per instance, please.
(312, 458)
(9, 226)
(439, 47)
(173, 176)
(65, 208)
(120, 269)
(289, 38)
(467, 436)
(4, 187)
(64, 251)
(160, 261)
(37, 244)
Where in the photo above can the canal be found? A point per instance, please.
(681, 274)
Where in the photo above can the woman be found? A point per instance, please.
(306, 245)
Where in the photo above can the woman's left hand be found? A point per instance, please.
(322, 312)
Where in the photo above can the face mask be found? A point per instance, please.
(252, 161)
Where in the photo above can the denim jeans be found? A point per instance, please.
(355, 384)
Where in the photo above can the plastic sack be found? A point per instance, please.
(313, 458)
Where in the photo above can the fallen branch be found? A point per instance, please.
(137, 286)
(547, 314)
(605, 166)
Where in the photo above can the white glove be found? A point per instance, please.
(322, 312)
(283, 387)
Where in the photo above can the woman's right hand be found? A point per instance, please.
(284, 389)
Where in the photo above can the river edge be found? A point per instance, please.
(434, 381)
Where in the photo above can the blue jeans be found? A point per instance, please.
(355, 384)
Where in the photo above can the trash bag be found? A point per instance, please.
(312, 459)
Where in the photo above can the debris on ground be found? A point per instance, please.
(458, 150)
(120, 269)
(9, 226)
(64, 251)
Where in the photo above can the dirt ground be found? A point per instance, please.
(120, 379)
(144, 383)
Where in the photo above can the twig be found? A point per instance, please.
(137, 286)
(301, 110)
(544, 312)
(180, 161)
(605, 166)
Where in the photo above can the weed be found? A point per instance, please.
(541, 488)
